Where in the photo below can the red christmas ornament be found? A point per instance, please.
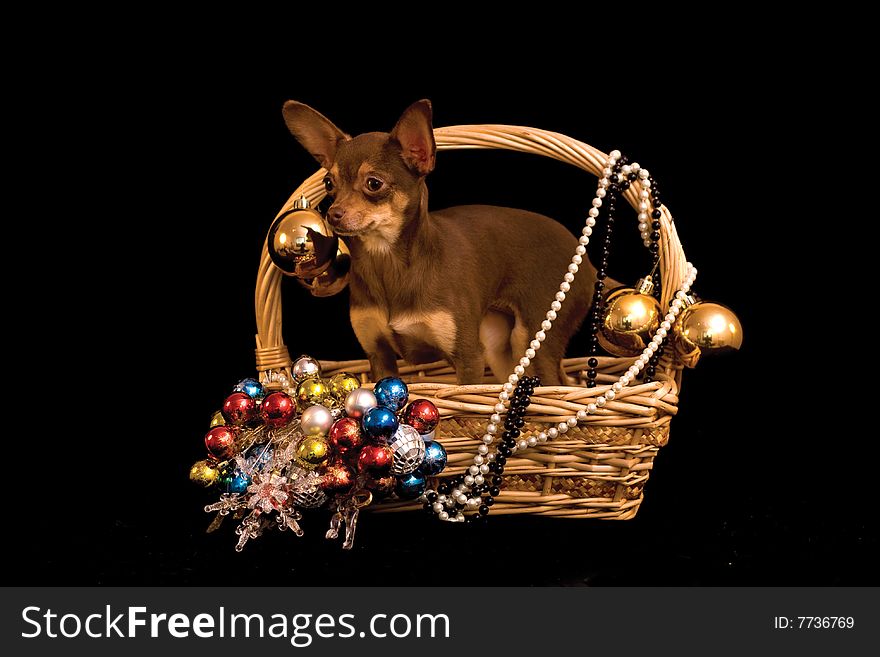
(338, 478)
(220, 442)
(277, 409)
(422, 415)
(239, 408)
(375, 460)
(345, 435)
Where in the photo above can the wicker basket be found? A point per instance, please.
(596, 470)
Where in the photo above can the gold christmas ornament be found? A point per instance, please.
(709, 327)
(312, 451)
(341, 384)
(217, 420)
(203, 473)
(631, 318)
(334, 280)
(301, 243)
(310, 392)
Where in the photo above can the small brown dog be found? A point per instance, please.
(470, 284)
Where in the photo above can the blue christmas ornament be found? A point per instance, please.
(238, 483)
(391, 393)
(251, 387)
(435, 458)
(410, 486)
(380, 422)
(259, 457)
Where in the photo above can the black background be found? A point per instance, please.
(187, 160)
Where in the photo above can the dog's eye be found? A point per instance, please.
(374, 184)
(328, 184)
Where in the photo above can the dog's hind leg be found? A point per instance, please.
(496, 329)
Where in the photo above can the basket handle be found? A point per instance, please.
(271, 352)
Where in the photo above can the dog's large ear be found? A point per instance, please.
(416, 137)
(314, 131)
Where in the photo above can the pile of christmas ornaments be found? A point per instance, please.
(325, 443)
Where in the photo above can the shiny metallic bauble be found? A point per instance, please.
(251, 387)
(277, 409)
(259, 457)
(338, 478)
(310, 392)
(308, 499)
(237, 482)
(305, 367)
(379, 423)
(341, 384)
(375, 460)
(239, 408)
(220, 442)
(203, 473)
(301, 244)
(411, 486)
(232, 479)
(709, 327)
(312, 451)
(421, 414)
(408, 448)
(629, 323)
(358, 402)
(345, 436)
(334, 280)
(305, 488)
(217, 419)
(435, 458)
(391, 392)
(316, 420)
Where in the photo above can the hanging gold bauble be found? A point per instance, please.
(217, 420)
(631, 318)
(301, 243)
(334, 280)
(709, 327)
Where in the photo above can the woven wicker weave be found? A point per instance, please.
(599, 468)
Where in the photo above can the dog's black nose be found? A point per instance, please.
(335, 214)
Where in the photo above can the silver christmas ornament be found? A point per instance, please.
(359, 401)
(308, 499)
(316, 420)
(408, 448)
(305, 488)
(305, 367)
